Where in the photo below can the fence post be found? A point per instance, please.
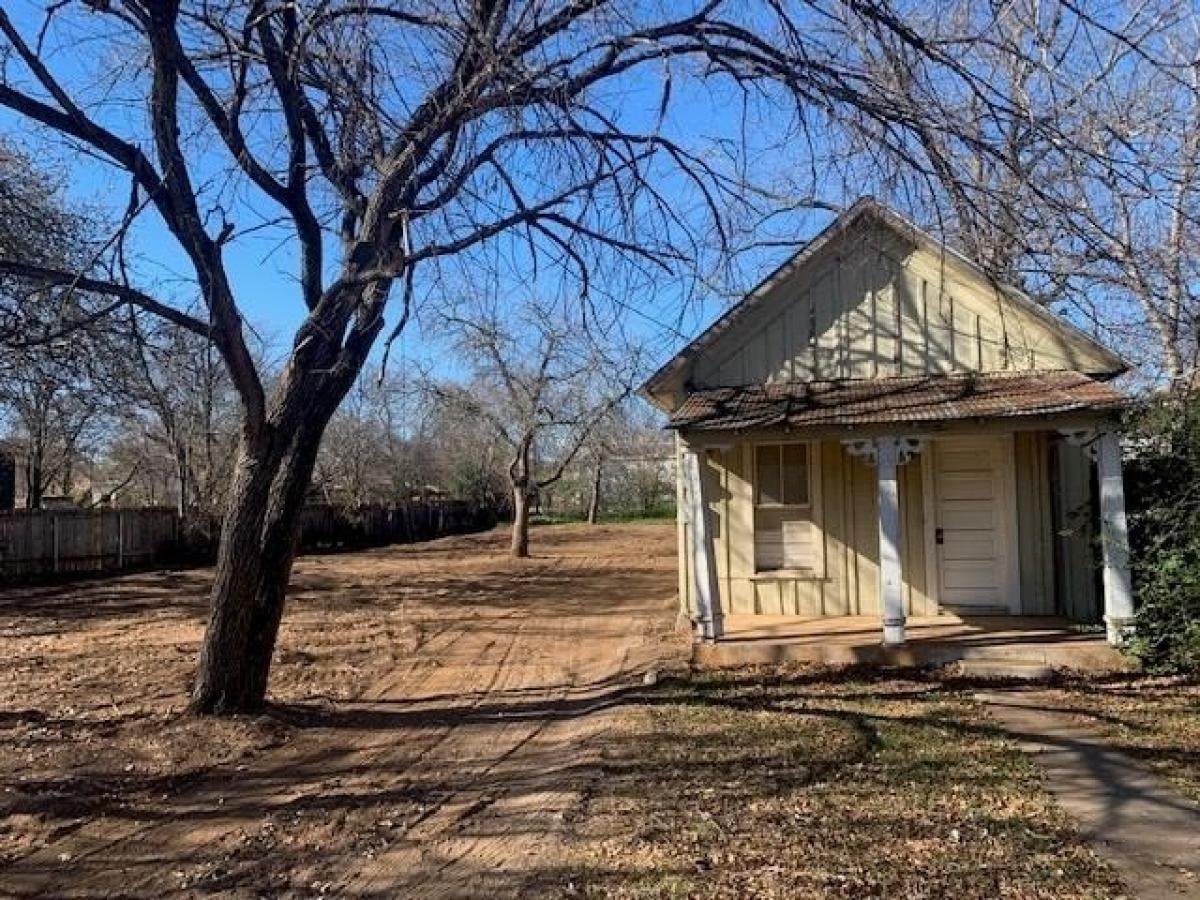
(120, 540)
(54, 541)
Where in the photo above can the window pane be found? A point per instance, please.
(766, 476)
(784, 539)
(795, 474)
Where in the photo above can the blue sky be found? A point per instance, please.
(263, 265)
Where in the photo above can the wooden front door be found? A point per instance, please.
(973, 505)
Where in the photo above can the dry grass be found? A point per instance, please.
(811, 784)
(1156, 720)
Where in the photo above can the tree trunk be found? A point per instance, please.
(254, 563)
(520, 529)
(181, 468)
(33, 483)
(594, 503)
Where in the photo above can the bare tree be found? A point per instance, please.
(629, 463)
(384, 142)
(174, 400)
(459, 454)
(1074, 178)
(48, 398)
(54, 413)
(365, 456)
(599, 447)
(544, 383)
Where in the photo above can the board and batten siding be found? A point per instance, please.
(1051, 506)
(875, 306)
(846, 525)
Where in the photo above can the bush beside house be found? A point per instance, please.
(1163, 479)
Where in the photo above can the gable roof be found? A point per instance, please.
(868, 208)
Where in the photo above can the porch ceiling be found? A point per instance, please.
(911, 399)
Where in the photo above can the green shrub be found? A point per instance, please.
(1168, 617)
(1163, 479)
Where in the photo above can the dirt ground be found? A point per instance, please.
(434, 722)
(447, 722)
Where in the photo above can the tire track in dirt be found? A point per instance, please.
(512, 802)
(103, 841)
(34, 873)
(109, 842)
(483, 732)
(457, 803)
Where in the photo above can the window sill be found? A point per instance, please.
(788, 575)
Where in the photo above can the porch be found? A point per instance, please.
(1014, 641)
(902, 502)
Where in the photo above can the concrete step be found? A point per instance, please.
(1005, 667)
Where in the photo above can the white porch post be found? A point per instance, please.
(887, 454)
(709, 620)
(1114, 540)
(891, 594)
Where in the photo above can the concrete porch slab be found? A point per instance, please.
(935, 640)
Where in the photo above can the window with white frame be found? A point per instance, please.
(784, 534)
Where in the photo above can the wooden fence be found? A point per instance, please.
(324, 527)
(41, 543)
(64, 542)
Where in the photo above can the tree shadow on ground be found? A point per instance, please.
(756, 737)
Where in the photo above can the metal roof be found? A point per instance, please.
(909, 399)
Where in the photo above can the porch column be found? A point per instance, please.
(891, 594)
(709, 619)
(1114, 540)
(887, 455)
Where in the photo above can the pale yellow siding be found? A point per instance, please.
(878, 305)
(877, 301)
(1052, 507)
(844, 507)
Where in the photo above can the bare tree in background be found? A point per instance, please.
(1074, 176)
(369, 452)
(1135, 202)
(385, 142)
(636, 454)
(175, 395)
(461, 455)
(544, 383)
(45, 396)
(48, 397)
(601, 445)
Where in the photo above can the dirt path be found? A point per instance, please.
(436, 707)
(1150, 833)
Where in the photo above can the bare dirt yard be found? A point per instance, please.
(447, 722)
(429, 732)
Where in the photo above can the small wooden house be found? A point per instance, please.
(881, 429)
